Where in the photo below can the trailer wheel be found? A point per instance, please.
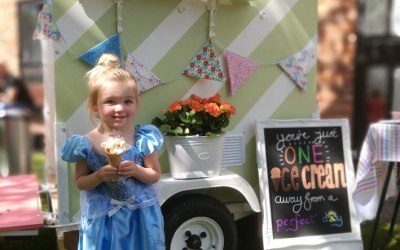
(199, 222)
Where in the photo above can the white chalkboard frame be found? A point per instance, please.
(302, 242)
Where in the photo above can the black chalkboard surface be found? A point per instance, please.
(306, 175)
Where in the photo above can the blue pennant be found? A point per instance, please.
(110, 45)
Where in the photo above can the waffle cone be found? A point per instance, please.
(114, 159)
(276, 183)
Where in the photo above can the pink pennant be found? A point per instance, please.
(239, 69)
(205, 65)
(145, 79)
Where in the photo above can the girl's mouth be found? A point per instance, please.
(118, 117)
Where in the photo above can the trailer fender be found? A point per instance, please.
(168, 186)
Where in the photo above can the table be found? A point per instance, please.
(20, 208)
(378, 159)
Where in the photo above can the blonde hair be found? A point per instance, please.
(107, 69)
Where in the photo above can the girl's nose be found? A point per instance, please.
(118, 107)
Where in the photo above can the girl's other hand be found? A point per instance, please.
(127, 169)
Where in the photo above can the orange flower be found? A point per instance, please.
(195, 105)
(182, 102)
(175, 106)
(213, 109)
(228, 109)
(196, 98)
(231, 111)
(216, 98)
(225, 106)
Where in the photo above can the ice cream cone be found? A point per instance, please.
(114, 147)
(114, 159)
(276, 177)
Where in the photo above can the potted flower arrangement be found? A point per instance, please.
(194, 135)
(196, 116)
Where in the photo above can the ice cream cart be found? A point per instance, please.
(263, 51)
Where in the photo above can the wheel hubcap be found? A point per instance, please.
(198, 233)
(194, 240)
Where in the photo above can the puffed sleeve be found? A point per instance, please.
(75, 148)
(148, 138)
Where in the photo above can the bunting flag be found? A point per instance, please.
(298, 65)
(205, 65)
(45, 27)
(239, 69)
(110, 45)
(145, 79)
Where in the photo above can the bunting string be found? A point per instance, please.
(205, 64)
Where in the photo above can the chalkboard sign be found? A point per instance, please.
(306, 180)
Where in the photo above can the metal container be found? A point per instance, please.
(15, 140)
(194, 156)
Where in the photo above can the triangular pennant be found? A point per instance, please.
(239, 69)
(205, 65)
(298, 65)
(145, 79)
(110, 45)
(45, 27)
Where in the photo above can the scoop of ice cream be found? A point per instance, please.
(275, 173)
(114, 145)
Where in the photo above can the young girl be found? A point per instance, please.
(119, 205)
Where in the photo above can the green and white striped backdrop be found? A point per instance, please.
(164, 35)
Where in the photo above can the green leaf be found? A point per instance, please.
(167, 129)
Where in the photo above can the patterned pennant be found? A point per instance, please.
(298, 65)
(45, 27)
(205, 65)
(239, 69)
(145, 79)
(110, 45)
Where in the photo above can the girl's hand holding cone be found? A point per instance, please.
(107, 173)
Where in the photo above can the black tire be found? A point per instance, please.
(197, 222)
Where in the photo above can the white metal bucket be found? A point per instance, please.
(194, 156)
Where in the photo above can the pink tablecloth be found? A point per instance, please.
(20, 207)
(381, 146)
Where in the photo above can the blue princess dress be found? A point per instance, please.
(122, 214)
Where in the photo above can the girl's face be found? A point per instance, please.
(116, 105)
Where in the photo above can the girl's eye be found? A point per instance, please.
(129, 102)
(110, 102)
